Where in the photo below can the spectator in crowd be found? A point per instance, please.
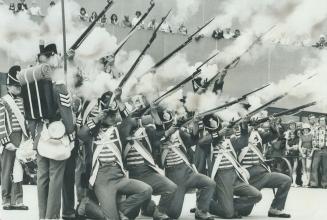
(94, 15)
(152, 24)
(22, 6)
(218, 34)
(35, 9)
(136, 19)
(182, 29)
(312, 122)
(322, 43)
(83, 15)
(292, 148)
(305, 148)
(126, 22)
(165, 27)
(237, 33)
(319, 157)
(103, 20)
(52, 3)
(114, 19)
(228, 33)
(12, 8)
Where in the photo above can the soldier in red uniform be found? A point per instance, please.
(48, 107)
(12, 133)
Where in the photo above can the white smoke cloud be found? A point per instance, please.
(184, 10)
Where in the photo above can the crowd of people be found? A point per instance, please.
(227, 33)
(128, 23)
(303, 145)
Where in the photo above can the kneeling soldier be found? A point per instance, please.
(176, 145)
(227, 172)
(108, 176)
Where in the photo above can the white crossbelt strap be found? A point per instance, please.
(15, 109)
(146, 155)
(216, 165)
(88, 109)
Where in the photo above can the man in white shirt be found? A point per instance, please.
(35, 9)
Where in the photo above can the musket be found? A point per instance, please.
(186, 80)
(224, 106)
(286, 112)
(131, 32)
(232, 123)
(237, 59)
(176, 87)
(189, 39)
(153, 37)
(84, 35)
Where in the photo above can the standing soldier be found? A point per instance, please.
(47, 105)
(176, 145)
(12, 133)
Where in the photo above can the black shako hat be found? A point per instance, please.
(12, 76)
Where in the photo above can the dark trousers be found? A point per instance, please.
(83, 169)
(160, 184)
(228, 185)
(12, 193)
(110, 182)
(261, 178)
(50, 176)
(68, 189)
(186, 179)
(319, 159)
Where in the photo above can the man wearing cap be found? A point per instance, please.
(230, 177)
(12, 133)
(108, 177)
(176, 145)
(51, 127)
(319, 158)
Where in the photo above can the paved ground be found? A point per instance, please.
(303, 204)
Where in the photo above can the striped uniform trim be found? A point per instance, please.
(71, 136)
(90, 124)
(15, 126)
(250, 158)
(173, 159)
(133, 157)
(224, 163)
(106, 155)
(5, 140)
(65, 100)
(78, 122)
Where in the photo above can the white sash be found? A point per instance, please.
(88, 109)
(20, 117)
(115, 151)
